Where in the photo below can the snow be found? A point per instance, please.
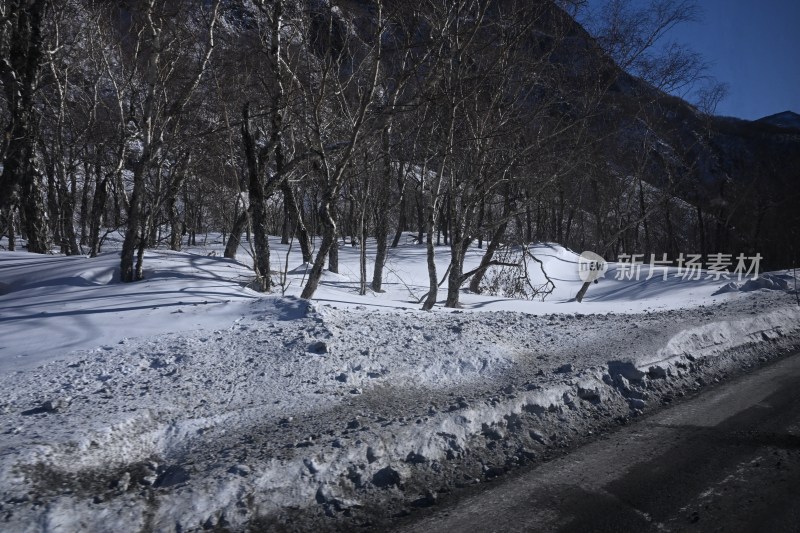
(187, 400)
(79, 303)
(94, 309)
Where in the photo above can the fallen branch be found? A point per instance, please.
(493, 262)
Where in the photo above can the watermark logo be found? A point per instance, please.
(591, 266)
(690, 267)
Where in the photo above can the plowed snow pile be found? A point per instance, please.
(187, 401)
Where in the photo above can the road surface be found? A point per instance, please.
(725, 460)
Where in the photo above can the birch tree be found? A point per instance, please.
(160, 112)
(350, 92)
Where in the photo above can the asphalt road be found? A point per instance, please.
(725, 460)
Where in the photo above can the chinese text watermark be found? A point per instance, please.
(717, 266)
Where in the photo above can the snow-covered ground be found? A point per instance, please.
(187, 400)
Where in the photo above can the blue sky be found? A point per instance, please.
(754, 47)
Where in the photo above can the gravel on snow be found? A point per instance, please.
(300, 416)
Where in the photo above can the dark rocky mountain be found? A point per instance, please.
(786, 119)
(731, 186)
(717, 184)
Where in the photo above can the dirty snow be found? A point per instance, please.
(187, 400)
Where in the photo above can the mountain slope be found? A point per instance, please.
(786, 119)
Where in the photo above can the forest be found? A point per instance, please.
(489, 123)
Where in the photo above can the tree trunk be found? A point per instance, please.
(175, 236)
(150, 227)
(445, 221)
(258, 206)
(260, 237)
(582, 292)
(329, 240)
(178, 179)
(558, 217)
(491, 248)
(128, 271)
(68, 212)
(235, 238)
(420, 220)
(352, 228)
(672, 246)
(382, 212)
(362, 250)
(643, 214)
(53, 207)
(290, 199)
(121, 199)
(401, 222)
(454, 278)
(481, 216)
(8, 216)
(382, 251)
(461, 219)
(140, 250)
(528, 220)
(702, 231)
(35, 213)
(85, 202)
(286, 226)
(433, 282)
(333, 255)
(98, 211)
(568, 231)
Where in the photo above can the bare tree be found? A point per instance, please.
(22, 47)
(352, 95)
(267, 167)
(161, 113)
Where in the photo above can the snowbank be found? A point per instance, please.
(187, 401)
